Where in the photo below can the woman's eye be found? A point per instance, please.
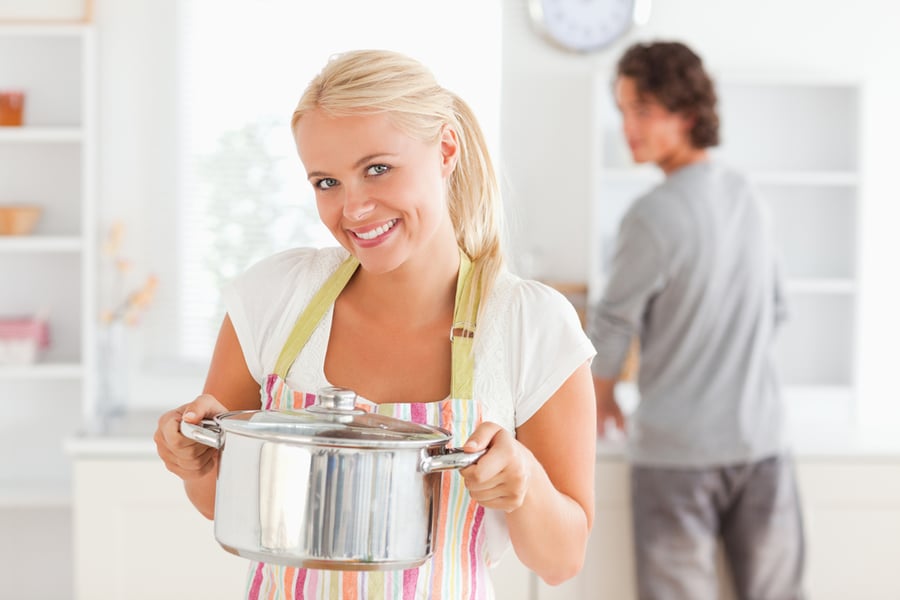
(326, 183)
(377, 170)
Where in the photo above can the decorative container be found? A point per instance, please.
(112, 365)
(22, 339)
(12, 105)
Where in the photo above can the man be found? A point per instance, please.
(695, 279)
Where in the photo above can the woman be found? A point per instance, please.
(403, 180)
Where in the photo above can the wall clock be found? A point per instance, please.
(586, 25)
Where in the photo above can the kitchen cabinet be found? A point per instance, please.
(48, 161)
(851, 510)
(137, 536)
(796, 137)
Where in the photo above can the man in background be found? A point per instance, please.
(694, 279)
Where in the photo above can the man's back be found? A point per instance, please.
(709, 393)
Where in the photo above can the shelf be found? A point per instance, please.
(32, 495)
(43, 29)
(821, 286)
(819, 394)
(40, 134)
(814, 178)
(44, 371)
(643, 173)
(41, 243)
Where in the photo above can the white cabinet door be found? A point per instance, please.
(511, 579)
(138, 537)
(852, 518)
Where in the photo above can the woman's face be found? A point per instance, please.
(380, 192)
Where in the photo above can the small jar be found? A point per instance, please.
(12, 104)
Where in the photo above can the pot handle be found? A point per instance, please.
(207, 432)
(454, 458)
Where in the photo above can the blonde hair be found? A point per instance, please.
(382, 81)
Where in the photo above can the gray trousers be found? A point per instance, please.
(680, 514)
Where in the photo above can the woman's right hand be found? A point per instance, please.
(184, 457)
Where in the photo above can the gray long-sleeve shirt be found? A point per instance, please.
(695, 276)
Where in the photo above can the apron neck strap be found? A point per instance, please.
(462, 331)
(313, 313)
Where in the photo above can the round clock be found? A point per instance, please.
(586, 25)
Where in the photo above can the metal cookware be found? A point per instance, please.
(328, 487)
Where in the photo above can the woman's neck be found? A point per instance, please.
(420, 292)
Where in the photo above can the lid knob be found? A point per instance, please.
(336, 398)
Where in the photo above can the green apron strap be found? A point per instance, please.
(313, 313)
(462, 332)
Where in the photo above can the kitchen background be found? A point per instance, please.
(155, 140)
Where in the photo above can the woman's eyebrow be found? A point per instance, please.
(356, 165)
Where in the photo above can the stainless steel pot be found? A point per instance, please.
(328, 487)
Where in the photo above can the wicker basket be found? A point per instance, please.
(18, 219)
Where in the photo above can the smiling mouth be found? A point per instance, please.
(378, 231)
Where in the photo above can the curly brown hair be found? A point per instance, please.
(674, 75)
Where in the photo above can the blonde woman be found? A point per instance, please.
(403, 180)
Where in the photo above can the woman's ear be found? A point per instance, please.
(449, 150)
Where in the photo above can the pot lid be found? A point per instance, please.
(335, 420)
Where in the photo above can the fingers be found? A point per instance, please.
(500, 478)
(482, 436)
(203, 407)
(607, 412)
(184, 457)
(619, 419)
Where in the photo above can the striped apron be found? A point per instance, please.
(458, 569)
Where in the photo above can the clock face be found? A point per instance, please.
(583, 25)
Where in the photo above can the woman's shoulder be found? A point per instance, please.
(530, 340)
(310, 265)
(514, 300)
(282, 281)
(510, 291)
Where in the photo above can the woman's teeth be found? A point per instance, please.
(374, 233)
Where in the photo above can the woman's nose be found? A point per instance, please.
(357, 204)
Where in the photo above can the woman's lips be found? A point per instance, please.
(373, 233)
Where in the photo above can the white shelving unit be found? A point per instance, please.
(796, 137)
(49, 161)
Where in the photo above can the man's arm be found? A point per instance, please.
(607, 407)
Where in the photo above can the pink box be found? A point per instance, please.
(21, 339)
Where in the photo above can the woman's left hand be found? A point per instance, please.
(500, 478)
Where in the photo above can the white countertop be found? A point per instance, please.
(131, 436)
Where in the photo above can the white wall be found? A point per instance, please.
(545, 146)
(547, 150)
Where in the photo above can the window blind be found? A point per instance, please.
(242, 67)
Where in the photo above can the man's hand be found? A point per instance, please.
(607, 407)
